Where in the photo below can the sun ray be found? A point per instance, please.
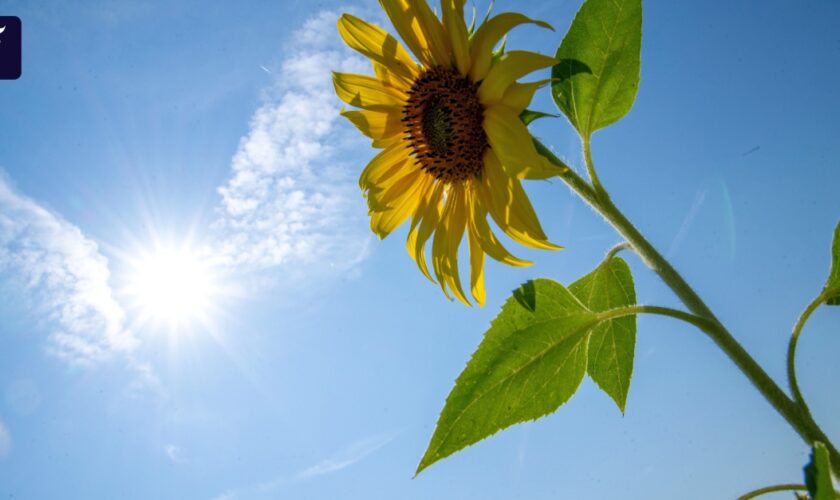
(173, 286)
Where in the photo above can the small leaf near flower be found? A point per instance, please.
(596, 80)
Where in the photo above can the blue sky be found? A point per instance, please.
(323, 357)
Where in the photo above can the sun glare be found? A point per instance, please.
(173, 285)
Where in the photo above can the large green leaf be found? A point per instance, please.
(597, 77)
(531, 361)
(832, 286)
(818, 474)
(612, 343)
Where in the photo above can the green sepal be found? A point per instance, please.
(529, 115)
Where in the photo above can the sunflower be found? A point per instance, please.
(454, 148)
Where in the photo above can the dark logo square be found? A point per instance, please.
(10, 48)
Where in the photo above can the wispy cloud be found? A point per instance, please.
(291, 202)
(291, 199)
(351, 455)
(174, 453)
(343, 459)
(5, 441)
(64, 274)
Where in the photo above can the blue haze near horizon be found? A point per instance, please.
(324, 379)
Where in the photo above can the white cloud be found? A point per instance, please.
(175, 454)
(347, 457)
(5, 441)
(290, 198)
(351, 455)
(63, 271)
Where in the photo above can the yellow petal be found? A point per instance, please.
(446, 241)
(384, 165)
(544, 170)
(455, 232)
(485, 237)
(510, 207)
(374, 124)
(438, 246)
(405, 21)
(512, 66)
(456, 28)
(518, 96)
(385, 141)
(385, 222)
(476, 260)
(382, 198)
(526, 218)
(390, 184)
(388, 77)
(510, 140)
(367, 92)
(375, 43)
(488, 35)
(424, 222)
(437, 40)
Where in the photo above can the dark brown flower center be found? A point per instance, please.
(443, 121)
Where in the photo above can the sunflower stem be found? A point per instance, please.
(794, 340)
(703, 324)
(614, 250)
(807, 429)
(791, 355)
(590, 169)
(773, 489)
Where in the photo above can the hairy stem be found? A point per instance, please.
(805, 427)
(614, 250)
(590, 170)
(791, 354)
(701, 323)
(791, 369)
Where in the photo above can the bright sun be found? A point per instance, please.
(173, 285)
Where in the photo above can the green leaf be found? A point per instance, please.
(818, 474)
(832, 286)
(597, 77)
(612, 343)
(531, 361)
(530, 115)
